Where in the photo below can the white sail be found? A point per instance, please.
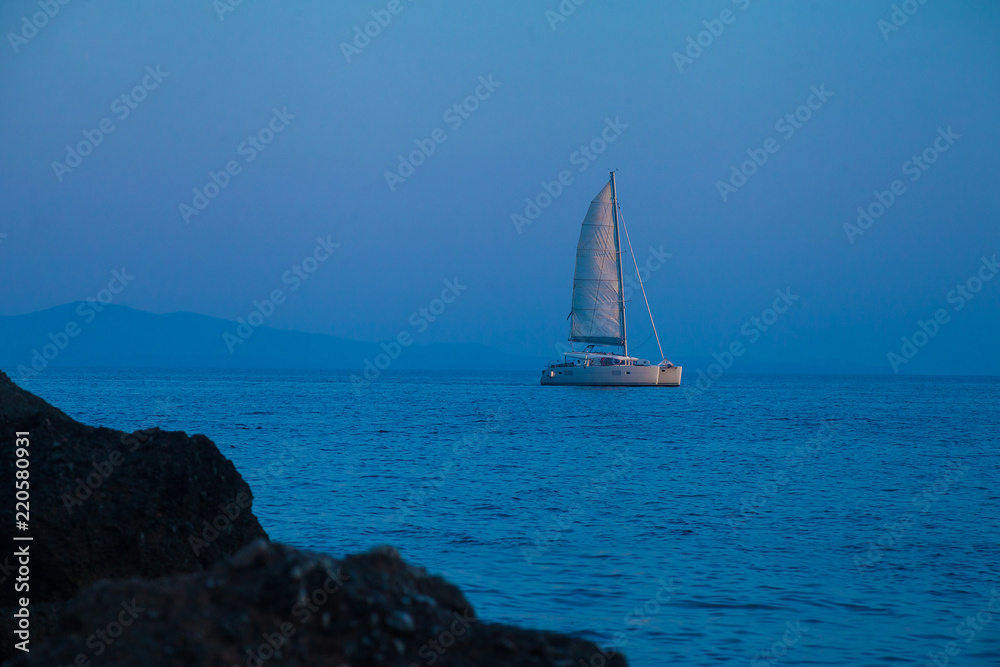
(597, 309)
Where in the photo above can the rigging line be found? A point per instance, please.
(641, 287)
(645, 340)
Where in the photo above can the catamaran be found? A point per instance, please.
(597, 318)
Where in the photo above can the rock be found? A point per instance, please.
(274, 603)
(146, 552)
(400, 621)
(107, 504)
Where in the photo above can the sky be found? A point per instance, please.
(317, 124)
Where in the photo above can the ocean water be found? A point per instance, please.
(768, 520)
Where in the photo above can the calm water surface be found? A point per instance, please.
(769, 520)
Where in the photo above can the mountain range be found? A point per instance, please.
(92, 334)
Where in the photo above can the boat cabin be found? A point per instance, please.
(597, 359)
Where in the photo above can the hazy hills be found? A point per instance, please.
(76, 334)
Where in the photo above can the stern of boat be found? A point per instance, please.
(669, 376)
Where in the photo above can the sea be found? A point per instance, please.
(762, 520)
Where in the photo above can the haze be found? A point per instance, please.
(301, 131)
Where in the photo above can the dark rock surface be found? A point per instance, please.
(111, 504)
(133, 563)
(271, 604)
(106, 504)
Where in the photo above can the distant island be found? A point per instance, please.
(96, 335)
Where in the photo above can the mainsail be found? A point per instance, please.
(597, 315)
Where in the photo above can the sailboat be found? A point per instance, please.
(597, 318)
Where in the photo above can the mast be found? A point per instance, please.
(618, 258)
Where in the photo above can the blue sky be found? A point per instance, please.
(553, 87)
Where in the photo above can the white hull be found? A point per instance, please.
(613, 376)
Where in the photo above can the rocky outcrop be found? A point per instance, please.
(107, 504)
(271, 604)
(146, 552)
